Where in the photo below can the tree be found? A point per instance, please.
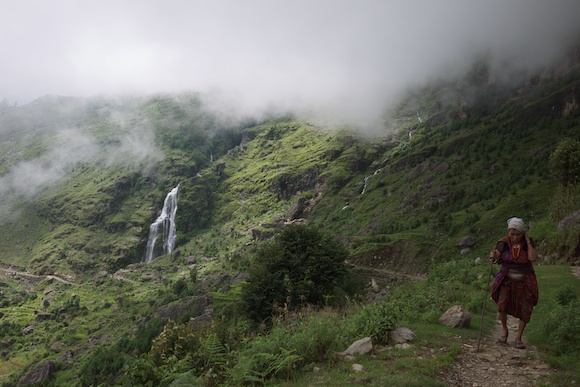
(300, 266)
(565, 162)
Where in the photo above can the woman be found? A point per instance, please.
(515, 289)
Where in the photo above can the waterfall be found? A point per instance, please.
(366, 180)
(165, 226)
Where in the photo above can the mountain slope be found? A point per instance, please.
(82, 180)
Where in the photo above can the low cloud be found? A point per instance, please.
(343, 60)
(65, 149)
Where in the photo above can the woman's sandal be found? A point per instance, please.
(520, 345)
(502, 339)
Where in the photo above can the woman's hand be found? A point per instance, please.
(532, 253)
(493, 254)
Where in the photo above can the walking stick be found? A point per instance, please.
(484, 301)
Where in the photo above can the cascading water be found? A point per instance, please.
(164, 226)
(366, 180)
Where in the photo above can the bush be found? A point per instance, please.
(377, 320)
(301, 266)
(143, 338)
(565, 295)
(565, 162)
(563, 328)
(101, 368)
(317, 337)
(564, 202)
(289, 347)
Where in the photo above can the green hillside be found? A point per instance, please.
(82, 180)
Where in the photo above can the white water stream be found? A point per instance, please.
(164, 226)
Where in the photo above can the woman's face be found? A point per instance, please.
(515, 235)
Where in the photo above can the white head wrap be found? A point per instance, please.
(517, 224)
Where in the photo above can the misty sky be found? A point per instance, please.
(345, 55)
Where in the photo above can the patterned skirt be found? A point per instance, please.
(518, 297)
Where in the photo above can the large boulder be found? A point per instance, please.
(466, 242)
(401, 335)
(359, 347)
(572, 220)
(456, 317)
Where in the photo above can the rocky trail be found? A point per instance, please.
(497, 364)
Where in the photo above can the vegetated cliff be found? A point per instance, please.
(479, 152)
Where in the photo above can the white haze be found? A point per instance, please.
(336, 60)
(344, 59)
(133, 148)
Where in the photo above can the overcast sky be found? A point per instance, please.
(349, 55)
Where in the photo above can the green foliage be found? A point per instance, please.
(565, 162)
(293, 342)
(256, 368)
(565, 201)
(70, 308)
(300, 266)
(101, 368)
(563, 328)
(9, 329)
(140, 371)
(141, 341)
(377, 320)
(315, 337)
(566, 295)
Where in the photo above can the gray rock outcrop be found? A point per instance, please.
(39, 374)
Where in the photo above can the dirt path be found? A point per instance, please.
(9, 271)
(497, 364)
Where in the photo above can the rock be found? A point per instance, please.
(58, 346)
(357, 367)
(572, 220)
(296, 210)
(456, 317)
(362, 380)
(465, 242)
(403, 346)
(194, 306)
(39, 375)
(401, 335)
(359, 347)
(28, 330)
(375, 286)
(260, 235)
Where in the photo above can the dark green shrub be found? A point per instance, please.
(140, 371)
(563, 328)
(565, 162)
(316, 338)
(301, 266)
(566, 295)
(377, 320)
(101, 368)
(141, 341)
